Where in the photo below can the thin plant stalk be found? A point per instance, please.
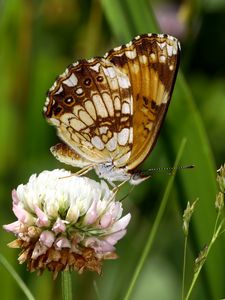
(66, 285)
(17, 278)
(155, 227)
(216, 233)
(96, 290)
(184, 266)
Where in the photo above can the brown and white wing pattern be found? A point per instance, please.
(151, 63)
(108, 111)
(91, 105)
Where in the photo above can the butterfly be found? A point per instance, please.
(108, 110)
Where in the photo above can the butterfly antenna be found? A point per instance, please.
(169, 168)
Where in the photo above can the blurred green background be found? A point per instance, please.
(38, 40)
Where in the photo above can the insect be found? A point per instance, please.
(108, 110)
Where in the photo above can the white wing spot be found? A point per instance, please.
(123, 136)
(165, 97)
(47, 101)
(123, 81)
(65, 73)
(125, 108)
(162, 59)
(117, 48)
(79, 91)
(110, 72)
(175, 49)
(95, 67)
(113, 83)
(161, 45)
(112, 143)
(103, 129)
(97, 142)
(171, 67)
(169, 50)
(131, 54)
(53, 87)
(129, 44)
(71, 81)
(99, 106)
(59, 90)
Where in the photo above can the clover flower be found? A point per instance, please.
(66, 222)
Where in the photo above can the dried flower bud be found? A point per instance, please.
(221, 178)
(200, 260)
(219, 203)
(187, 216)
(66, 222)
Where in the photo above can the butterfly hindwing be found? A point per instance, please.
(91, 105)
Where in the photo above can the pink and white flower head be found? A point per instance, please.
(66, 222)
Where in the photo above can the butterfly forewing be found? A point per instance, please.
(151, 63)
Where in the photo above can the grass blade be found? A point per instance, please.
(155, 226)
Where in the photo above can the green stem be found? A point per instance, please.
(66, 285)
(196, 274)
(96, 290)
(18, 280)
(155, 227)
(184, 265)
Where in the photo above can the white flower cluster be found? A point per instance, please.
(58, 210)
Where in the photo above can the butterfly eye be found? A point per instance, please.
(69, 101)
(87, 81)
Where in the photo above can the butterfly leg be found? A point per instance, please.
(117, 187)
(84, 171)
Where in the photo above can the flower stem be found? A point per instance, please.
(154, 229)
(66, 285)
(184, 266)
(96, 290)
(216, 233)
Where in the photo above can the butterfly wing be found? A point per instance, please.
(151, 63)
(91, 106)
